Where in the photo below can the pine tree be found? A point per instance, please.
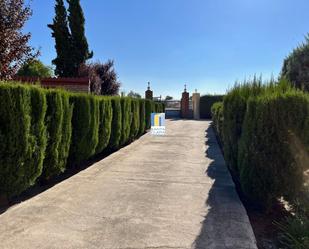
(60, 31)
(80, 50)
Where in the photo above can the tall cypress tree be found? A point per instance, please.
(80, 50)
(60, 31)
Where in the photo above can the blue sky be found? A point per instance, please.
(207, 44)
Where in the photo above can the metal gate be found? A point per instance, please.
(172, 108)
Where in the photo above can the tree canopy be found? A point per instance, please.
(68, 30)
(35, 68)
(14, 48)
(296, 65)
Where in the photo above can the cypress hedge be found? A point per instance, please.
(43, 132)
(148, 111)
(116, 123)
(53, 121)
(206, 102)
(135, 110)
(142, 114)
(64, 147)
(217, 117)
(126, 119)
(22, 137)
(105, 123)
(85, 125)
(267, 129)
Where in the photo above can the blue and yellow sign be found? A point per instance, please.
(158, 124)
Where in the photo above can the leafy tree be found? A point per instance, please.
(295, 66)
(134, 95)
(35, 68)
(80, 51)
(61, 34)
(103, 78)
(14, 48)
(168, 98)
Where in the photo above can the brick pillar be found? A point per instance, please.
(185, 104)
(149, 93)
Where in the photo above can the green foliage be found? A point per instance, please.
(105, 123)
(79, 45)
(116, 123)
(66, 136)
(148, 110)
(134, 95)
(85, 124)
(22, 137)
(60, 32)
(44, 131)
(126, 119)
(295, 66)
(206, 103)
(35, 68)
(59, 129)
(217, 117)
(265, 137)
(135, 110)
(295, 232)
(53, 121)
(142, 115)
(268, 151)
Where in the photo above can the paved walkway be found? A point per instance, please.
(159, 192)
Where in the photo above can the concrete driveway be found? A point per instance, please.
(159, 192)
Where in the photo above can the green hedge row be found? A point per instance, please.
(217, 117)
(265, 132)
(206, 103)
(44, 132)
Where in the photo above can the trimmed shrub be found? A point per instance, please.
(270, 159)
(105, 123)
(148, 110)
(44, 131)
(116, 123)
(85, 123)
(22, 137)
(126, 119)
(53, 121)
(135, 119)
(142, 125)
(217, 117)
(65, 144)
(206, 103)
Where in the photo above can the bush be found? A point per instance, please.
(126, 119)
(148, 110)
(142, 114)
(65, 144)
(116, 123)
(217, 117)
(58, 121)
(135, 119)
(85, 123)
(295, 66)
(268, 152)
(265, 137)
(22, 137)
(44, 131)
(53, 121)
(105, 123)
(206, 103)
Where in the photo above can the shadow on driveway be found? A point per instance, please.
(226, 224)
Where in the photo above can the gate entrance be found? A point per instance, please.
(172, 108)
